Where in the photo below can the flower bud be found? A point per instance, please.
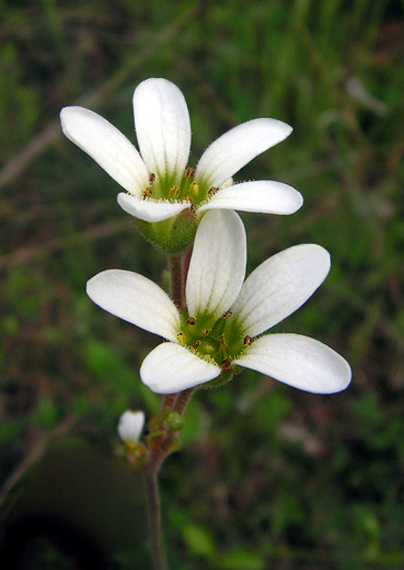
(130, 426)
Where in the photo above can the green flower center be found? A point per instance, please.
(176, 234)
(187, 190)
(219, 340)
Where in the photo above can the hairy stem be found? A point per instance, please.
(154, 517)
(161, 447)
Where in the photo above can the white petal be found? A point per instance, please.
(299, 361)
(107, 146)
(263, 196)
(148, 209)
(135, 299)
(163, 127)
(236, 148)
(279, 286)
(130, 426)
(218, 262)
(171, 368)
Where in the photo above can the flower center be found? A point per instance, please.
(186, 190)
(219, 340)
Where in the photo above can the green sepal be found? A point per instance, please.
(174, 421)
(173, 235)
(136, 454)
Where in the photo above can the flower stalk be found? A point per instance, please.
(167, 440)
(162, 441)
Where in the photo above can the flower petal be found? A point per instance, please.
(298, 361)
(107, 146)
(163, 127)
(279, 286)
(263, 196)
(218, 262)
(135, 299)
(171, 368)
(236, 148)
(148, 209)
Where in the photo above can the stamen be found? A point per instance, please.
(173, 191)
(152, 177)
(205, 331)
(223, 344)
(226, 315)
(189, 172)
(247, 340)
(226, 363)
(212, 190)
(195, 346)
(147, 193)
(191, 321)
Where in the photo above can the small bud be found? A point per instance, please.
(130, 426)
(174, 421)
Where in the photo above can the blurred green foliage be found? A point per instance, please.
(268, 477)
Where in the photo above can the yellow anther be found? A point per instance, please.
(173, 191)
(223, 344)
(187, 198)
(212, 190)
(205, 332)
(147, 193)
(191, 321)
(226, 315)
(247, 340)
(226, 363)
(189, 172)
(181, 337)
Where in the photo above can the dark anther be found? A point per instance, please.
(191, 321)
(189, 172)
(247, 340)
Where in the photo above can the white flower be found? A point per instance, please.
(157, 182)
(130, 426)
(226, 315)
